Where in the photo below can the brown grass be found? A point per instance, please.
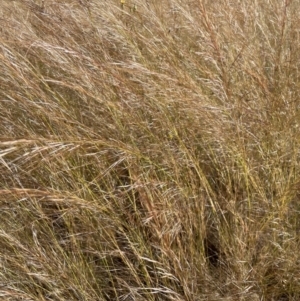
(150, 151)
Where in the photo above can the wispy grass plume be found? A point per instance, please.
(149, 150)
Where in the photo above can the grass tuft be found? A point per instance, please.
(149, 150)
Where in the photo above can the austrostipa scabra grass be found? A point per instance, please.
(149, 153)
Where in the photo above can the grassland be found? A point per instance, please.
(149, 151)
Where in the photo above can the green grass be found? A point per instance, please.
(149, 152)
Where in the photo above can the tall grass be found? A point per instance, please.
(149, 150)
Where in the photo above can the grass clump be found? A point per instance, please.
(149, 150)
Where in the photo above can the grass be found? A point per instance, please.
(149, 150)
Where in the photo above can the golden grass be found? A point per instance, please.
(149, 150)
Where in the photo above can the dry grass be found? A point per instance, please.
(149, 152)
